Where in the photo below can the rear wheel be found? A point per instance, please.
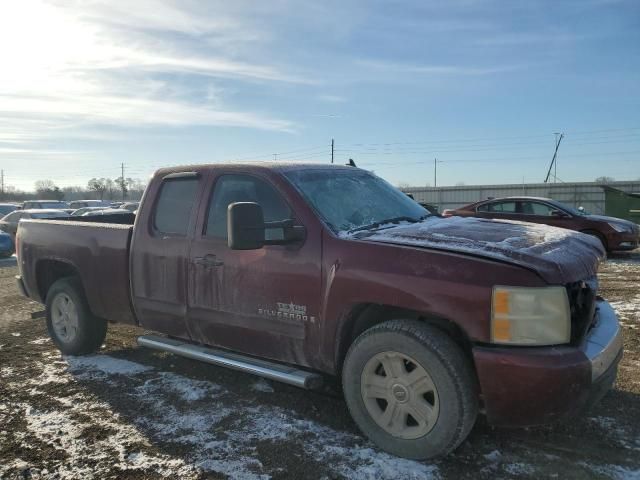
(72, 326)
(410, 389)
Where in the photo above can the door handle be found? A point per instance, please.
(208, 261)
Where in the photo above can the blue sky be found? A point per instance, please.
(481, 85)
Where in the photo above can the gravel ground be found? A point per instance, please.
(134, 413)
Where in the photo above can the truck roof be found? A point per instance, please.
(254, 166)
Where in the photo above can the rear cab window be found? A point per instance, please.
(174, 205)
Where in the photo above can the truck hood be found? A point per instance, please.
(558, 255)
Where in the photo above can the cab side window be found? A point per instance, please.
(498, 207)
(244, 188)
(535, 208)
(174, 206)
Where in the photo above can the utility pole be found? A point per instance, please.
(2, 184)
(435, 171)
(332, 150)
(553, 160)
(275, 157)
(122, 178)
(555, 164)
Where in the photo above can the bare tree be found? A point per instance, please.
(46, 189)
(98, 185)
(43, 185)
(605, 179)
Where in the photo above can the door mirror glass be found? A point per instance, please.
(245, 226)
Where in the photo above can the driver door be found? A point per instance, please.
(262, 302)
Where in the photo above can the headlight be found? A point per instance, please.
(530, 316)
(619, 227)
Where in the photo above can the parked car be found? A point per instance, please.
(433, 209)
(106, 211)
(9, 223)
(307, 271)
(613, 233)
(76, 204)
(131, 206)
(6, 245)
(81, 211)
(44, 204)
(7, 208)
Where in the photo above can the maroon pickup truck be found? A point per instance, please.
(300, 273)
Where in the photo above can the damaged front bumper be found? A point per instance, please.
(533, 386)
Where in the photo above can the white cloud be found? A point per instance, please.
(435, 69)
(74, 65)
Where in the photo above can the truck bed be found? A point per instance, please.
(97, 252)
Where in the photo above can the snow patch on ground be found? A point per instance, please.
(519, 468)
(262, 385)
(64, 431)
(94, 367)
(40, 341)
(51, 373)
(615, 472)
(616, 432)
(16, 334)
(628, 311)
(222, 439)
(493, 456)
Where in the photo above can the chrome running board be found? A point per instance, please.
(262, 368)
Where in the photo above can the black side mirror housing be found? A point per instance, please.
(245, 226)
(558, 213)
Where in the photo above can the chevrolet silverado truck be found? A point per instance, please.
(300, 273)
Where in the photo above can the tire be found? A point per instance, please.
(444, 397)
(71, 325)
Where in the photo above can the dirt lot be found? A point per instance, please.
(134, 413)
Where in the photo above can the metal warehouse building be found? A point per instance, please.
(590, 195)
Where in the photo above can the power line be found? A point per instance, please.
(481, 139)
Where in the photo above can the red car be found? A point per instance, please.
(614, 233)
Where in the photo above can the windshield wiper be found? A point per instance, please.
(380, 223)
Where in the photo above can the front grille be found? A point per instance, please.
(582, 300)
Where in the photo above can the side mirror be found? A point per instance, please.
(245, 226)
(558, 213)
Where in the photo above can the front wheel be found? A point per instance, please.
(410, 389)
(72, 326)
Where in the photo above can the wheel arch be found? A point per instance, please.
(49, 270)
(366, 315)
(598, 235)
